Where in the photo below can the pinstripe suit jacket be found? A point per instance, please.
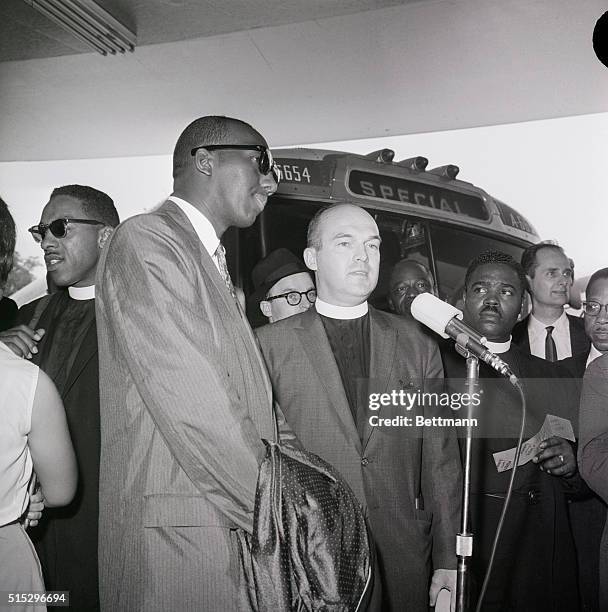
(389, 469)
(183, 411)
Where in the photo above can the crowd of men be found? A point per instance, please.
(169, 395)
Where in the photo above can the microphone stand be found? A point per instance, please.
(464, 539)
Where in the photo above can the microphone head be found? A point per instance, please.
(434, 313)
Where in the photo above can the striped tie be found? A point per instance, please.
(220, 255)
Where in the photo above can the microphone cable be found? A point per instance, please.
(503, 514)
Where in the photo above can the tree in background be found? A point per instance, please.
(23, 273)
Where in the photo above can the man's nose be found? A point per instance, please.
(361, 253)
(48, 241)
(268, 183)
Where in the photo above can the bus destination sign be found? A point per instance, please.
(370, 184)
(512, 218)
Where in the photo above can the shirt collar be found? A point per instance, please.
(560, 324)
(593, 355)
(82, 293)
(340, 312)
(498, 347)
(202, 226)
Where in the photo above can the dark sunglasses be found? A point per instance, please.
(295, 297)
(266, 164)
(58, 227)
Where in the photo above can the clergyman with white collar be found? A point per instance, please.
(58, 333)
(324, 363)
(536, 560)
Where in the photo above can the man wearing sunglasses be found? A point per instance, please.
(184, 393)
(58, 333)
(283, 286)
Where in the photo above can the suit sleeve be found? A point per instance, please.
(286, 433)
(162, 322)
(441, 475)
(593, 444)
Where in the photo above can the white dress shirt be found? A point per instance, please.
(593, 355)
(537, 334)
(202, 226)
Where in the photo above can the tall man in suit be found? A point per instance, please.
(185, 396)
(535, 568)
(324, 363)
(548, 332)
(58, 332)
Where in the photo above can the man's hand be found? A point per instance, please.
(34, 509)
(443, 579)
(557, 457)
(22, 340)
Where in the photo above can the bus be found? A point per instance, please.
(427, 215)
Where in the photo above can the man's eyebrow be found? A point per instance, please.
(341, 235)
(375, 237)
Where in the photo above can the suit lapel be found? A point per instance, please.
(237, 322)
(313, 338)
(383, 340)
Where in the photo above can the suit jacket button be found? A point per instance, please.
(364, 461)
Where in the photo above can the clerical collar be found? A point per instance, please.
(340, 312)
(82, 293)
(499, 347)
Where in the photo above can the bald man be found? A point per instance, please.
(324, 364)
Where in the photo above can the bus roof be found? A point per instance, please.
(405, 186)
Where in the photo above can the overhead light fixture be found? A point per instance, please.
(89, 23)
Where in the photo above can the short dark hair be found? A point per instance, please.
(95, 203)
(212, 129)
(528, 257)
(8, 237)
(598, 275)
(407, 260)
(495, 257)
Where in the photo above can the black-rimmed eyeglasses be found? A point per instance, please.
(593, 309)
(58, 227)
(295, 297)
(266, 164)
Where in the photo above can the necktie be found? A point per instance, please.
(550, 348)
(220, 255)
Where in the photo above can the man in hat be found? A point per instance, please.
(283, 285)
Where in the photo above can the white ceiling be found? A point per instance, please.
(414, 67)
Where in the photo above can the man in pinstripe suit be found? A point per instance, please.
(185, 398)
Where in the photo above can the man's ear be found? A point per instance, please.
(103, 236)
(310, 258)
(266, 308)
(203, 161)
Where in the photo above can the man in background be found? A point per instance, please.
(283, 285)
(409, 278)
(548, 332)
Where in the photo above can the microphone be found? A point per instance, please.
(445, 320)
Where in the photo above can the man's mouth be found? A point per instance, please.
(490, 313)
(52, 260)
